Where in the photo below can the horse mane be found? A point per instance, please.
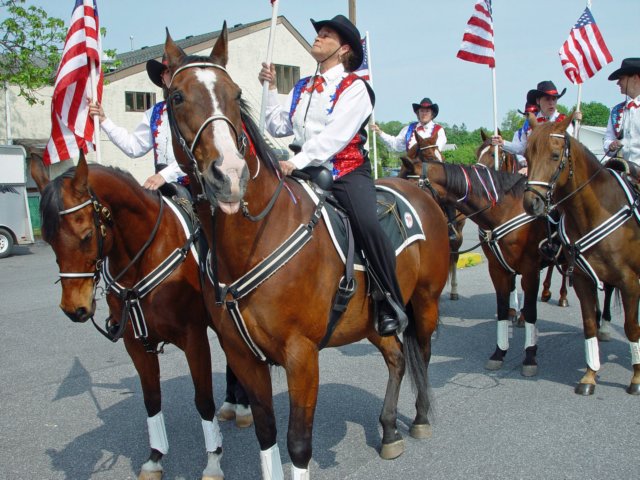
(505, 182)
(51, 198)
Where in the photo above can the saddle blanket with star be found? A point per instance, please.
(396, 215)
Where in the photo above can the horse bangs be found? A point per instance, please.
(51, 205)
(263, 150)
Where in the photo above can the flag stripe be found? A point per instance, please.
(71, 128)
(477, 41)
(584, 53)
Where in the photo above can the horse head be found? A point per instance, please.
(73, 223)
(548, 153)
(486, 154)
(205, 117)
(425, 149)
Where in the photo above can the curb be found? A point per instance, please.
(469, 260)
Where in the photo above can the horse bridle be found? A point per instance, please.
(241, 138)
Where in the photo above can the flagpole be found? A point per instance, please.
(96, 118)
(496, 161)
(265, 84)
(373, 117)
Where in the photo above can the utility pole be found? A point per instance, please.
(352, 11)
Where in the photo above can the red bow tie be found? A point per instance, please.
(632, 104)
(317, 85)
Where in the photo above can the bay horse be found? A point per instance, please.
(280, 309)
(101, 222)
(509, 239)
(599, 229)
(426, 148)
(508, 162)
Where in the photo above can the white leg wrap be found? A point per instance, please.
(503, 334)
(271, 464)
(530, 335)
(635, 352)
(513, 299)
(212, 434)
(592, 353)
(158, 433)
(299, 473)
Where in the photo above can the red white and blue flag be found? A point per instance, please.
(477, 41)
(363, 69)
(584, 52)
(71, 127)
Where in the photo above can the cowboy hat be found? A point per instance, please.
(155, 69)
(529, 108)
(349, 35)
(426, 103)
(629, 66)
(544, 88)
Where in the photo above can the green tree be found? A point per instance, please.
(595, 114)
(30, 44)
(512, 121)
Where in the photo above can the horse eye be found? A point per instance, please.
(87, 237)
(555, 156)
(177, 98)
(239, 96)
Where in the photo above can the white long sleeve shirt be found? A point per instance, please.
(140, 141)
(398, 143)
(320, 132)
(519, 143)
(630, 127)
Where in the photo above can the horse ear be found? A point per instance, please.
(567, 121)
(499, 132)
(408, 164)
(533, 123)
(38, 172)
(80, 179)
(173, 52)
(219, 53)
(483, 135)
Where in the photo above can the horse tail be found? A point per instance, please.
(415, 361)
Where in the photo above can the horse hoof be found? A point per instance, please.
(585, 389)
(563, 302)
(420, 431)
(244, 417)
(227, 412)
(520, 322)
(529, 370)
(392, 450)
(512, 314)
(604, 337)
(545, 297)
(454, 296)
(148, 475)
(493, 365)
(634, 389)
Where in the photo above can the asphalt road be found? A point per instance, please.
(71, 406)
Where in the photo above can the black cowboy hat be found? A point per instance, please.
(426, 103)
(544, 88)
(349, 35)
(155, 69)
(529, 108)
(629, 67)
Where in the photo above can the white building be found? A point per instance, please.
(128, 91)
(592, 138)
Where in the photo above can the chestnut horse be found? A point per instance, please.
(101, 222)
(277, 288)
(509, 239)
(599, 228)
(427, 149)
(508, 162)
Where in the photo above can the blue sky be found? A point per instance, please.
(414, 44)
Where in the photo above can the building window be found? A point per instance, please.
(139, 101)
(286, 77)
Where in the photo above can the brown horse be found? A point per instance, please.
(426, 149)
(509, 239)
(508, 162)
(599, 229)
(277, 288)
(101, 222)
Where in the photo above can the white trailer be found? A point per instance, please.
(15, 219)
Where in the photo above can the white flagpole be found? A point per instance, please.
(495, 116)
(96, 118)
(577, 132)
(373, 117)
(265, 84)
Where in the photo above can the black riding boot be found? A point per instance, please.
(450, 211)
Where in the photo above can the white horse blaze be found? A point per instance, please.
(232, 163)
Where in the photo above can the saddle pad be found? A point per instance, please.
(397, 217)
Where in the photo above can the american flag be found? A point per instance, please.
(71, 127)
(477, 41)
(584, 52)
(363, 69)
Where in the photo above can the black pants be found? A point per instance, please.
(356, 193)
